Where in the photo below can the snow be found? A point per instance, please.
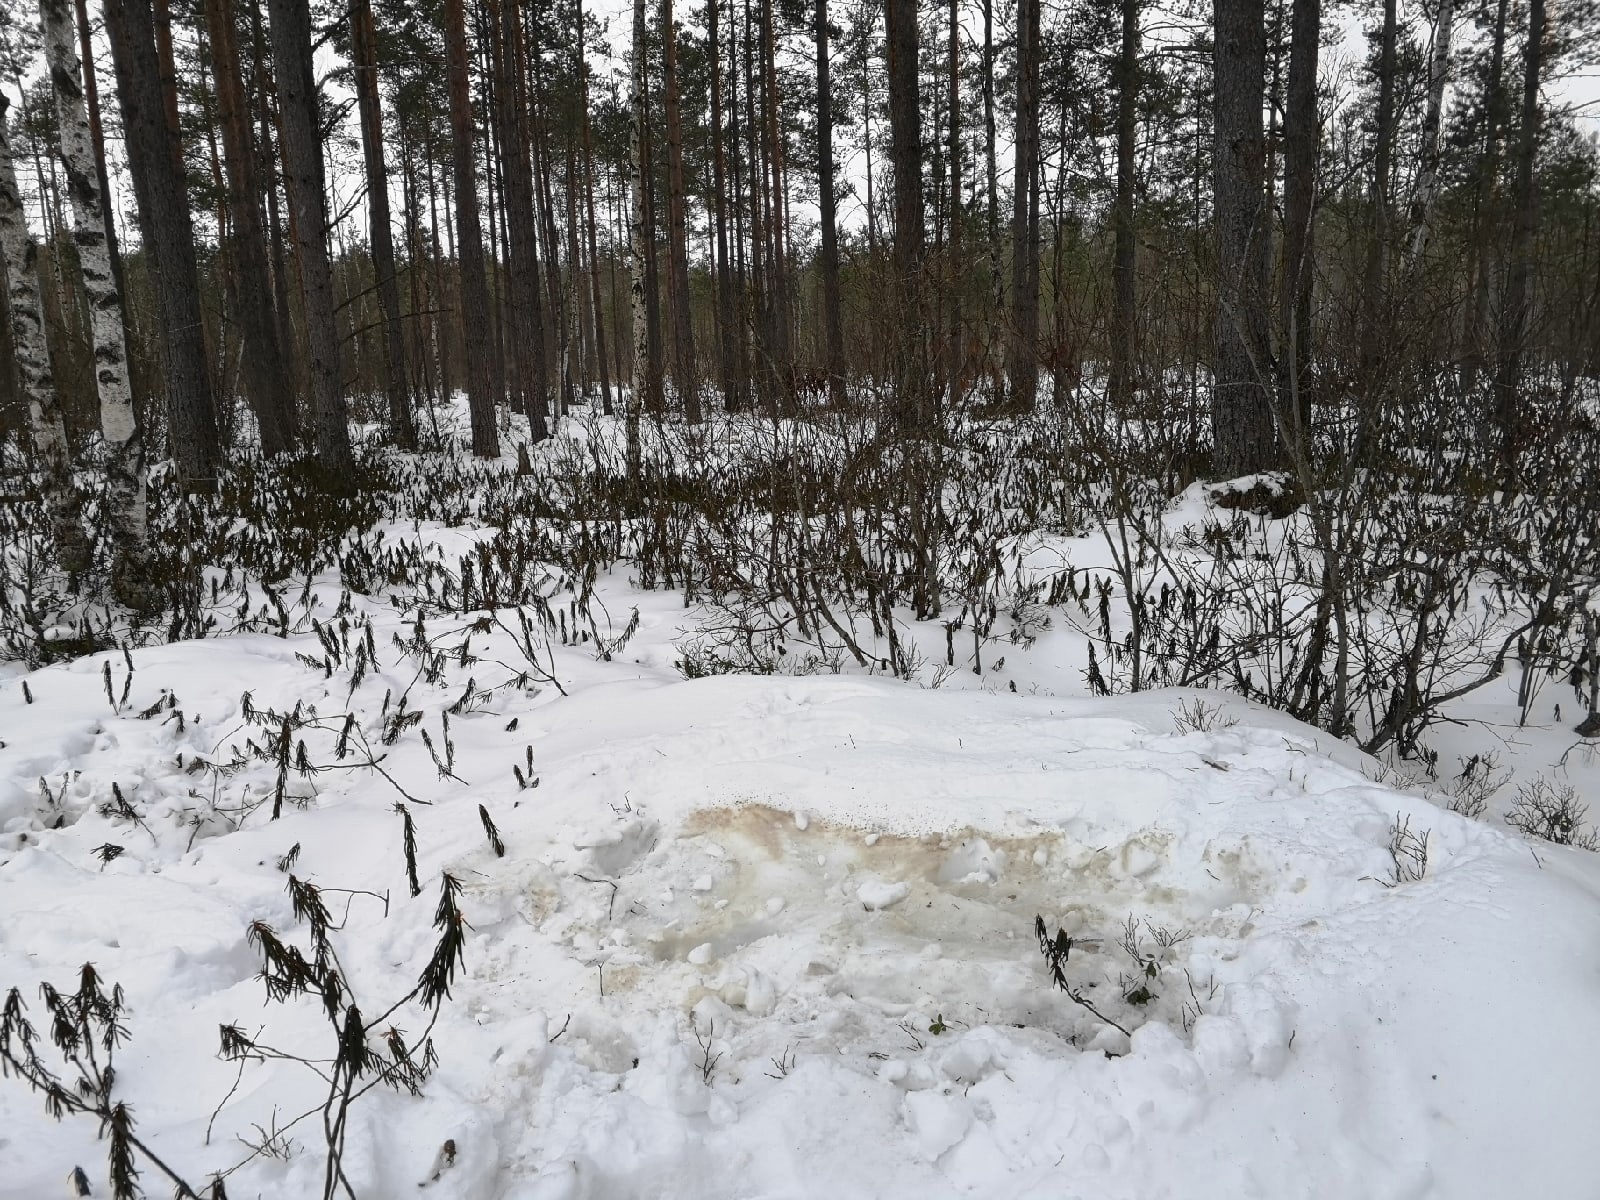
(775, 937)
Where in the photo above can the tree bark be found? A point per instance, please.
(125, 482)
(1516, 310)
(1374, 292)
(828, 201)
(364, 42)
(266, 379)
(1425, 194)
(905, 152)
(161, 191)
(1023, 356)
(1124, 351)
(469, 239)
(1299, 208)
(685, 379)
(727, 336)
(637, 248)
(49, 430)
(303, 181)
(1245, 437)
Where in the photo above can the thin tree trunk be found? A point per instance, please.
(957, 267)
(910, 407)
(1299, 208)
(594, 233)
(1426, 192)
(266, 379)
(303, 181)
(685, 380)
(1374, 290)
(49, 430)
(155, 159)
(364, 42)
(726, 335)
(469, 240)
(1516, 311)
(637, 249)
(832, 318)
(1124, 351)
(1479, 316)
(1023, 359)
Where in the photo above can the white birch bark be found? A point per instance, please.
(1426, 192)
(33, 362)
(124, 448)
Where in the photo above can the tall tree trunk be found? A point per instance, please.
(779, 312)
(828, 201)
(593, 231)
(1023, 356)
(1516, 310)
(97, 136)
(469, 239)
(49, 430)
(266, 378)
(303, 181)
(528, 374)
(1245, 437)
(1479, 317)
(155, 160)
(684, 379)
(267, 160)
(1425, 194)
(637, 248)
(1299, 208)
(364, 43)
(1124, 351)
(957, 267)
(905, 152)
(1374, 289)
(726, 335)
(125, 464)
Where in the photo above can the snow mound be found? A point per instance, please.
(776, 937)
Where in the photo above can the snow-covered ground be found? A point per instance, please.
(775, 937)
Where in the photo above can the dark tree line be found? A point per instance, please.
(768, 205)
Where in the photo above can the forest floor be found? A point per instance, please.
(763, 937)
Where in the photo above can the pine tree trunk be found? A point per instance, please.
(1374, 292)
(778, 312)
(49, 430)
(266, 379)
(593, 231)
(303, 181)
(910, 404)
(1023, 357)
(1516, 311)
(957, 268)
(364, 42)
(1124, 351)
(637, 248)
(1299, 208)
(161, 191)
(832, 318)
(1479, 317)
(528, 375)
(685, 377)
(726, 335)
(469, 239)
(1245, 437)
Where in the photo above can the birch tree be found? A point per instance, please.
(33, 364)
(124, 448)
